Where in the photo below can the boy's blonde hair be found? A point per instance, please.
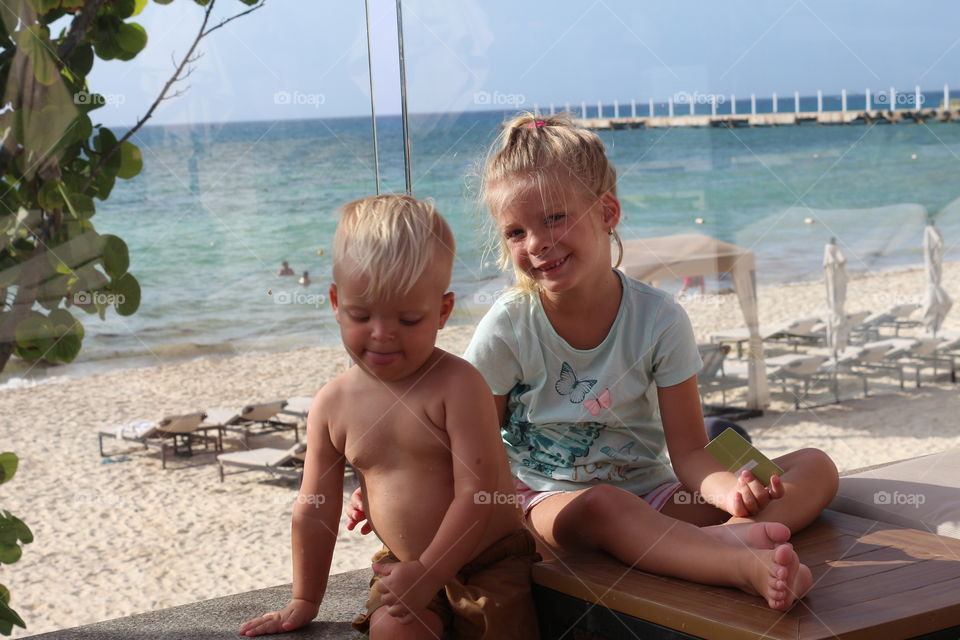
(392, 239)
(530, 147)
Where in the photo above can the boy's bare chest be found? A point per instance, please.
(393, 433)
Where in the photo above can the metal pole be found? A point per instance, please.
(774, 101)
(843, 101)
(616, 108)
(868, 99)
(407, 169)
(796, 102)
(670, 106)
(946, 98)
(753, 104)
(893, 99)
(633, 107)
(599, 109)
(650, 107)
(373, 108)
(583, 110)
(916, 98)
(733, 104)
(819, 101)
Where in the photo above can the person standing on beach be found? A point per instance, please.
(419, 426)
(579, 357)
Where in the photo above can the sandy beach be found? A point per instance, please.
(114, 539)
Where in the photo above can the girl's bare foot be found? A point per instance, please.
(758, 535)
(777, 576)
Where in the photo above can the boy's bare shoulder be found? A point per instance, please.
(332, 393)
(455, 371)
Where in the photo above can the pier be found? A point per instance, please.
(684, 109)
(773, 119)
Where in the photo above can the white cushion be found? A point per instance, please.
(923, 493)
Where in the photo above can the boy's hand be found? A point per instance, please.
(405, 587)
(749, 497)
(293, 616)
(355, 514)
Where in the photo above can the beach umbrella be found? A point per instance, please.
(835, 273)
(937, 303)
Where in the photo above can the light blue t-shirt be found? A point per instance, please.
(578, 417)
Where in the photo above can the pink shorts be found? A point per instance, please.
(530, 498)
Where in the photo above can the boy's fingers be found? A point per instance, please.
(381, 569)
(365, 529)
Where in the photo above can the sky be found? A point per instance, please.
(308, 58)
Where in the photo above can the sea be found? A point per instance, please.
(218, 206)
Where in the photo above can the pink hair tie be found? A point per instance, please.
(538, 123)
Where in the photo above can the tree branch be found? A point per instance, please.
(232, 18)
(79, 27)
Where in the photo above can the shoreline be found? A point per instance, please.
(469, 315)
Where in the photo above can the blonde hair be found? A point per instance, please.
(530, 147)
(392, 239)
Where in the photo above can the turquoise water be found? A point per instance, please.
(217, 207)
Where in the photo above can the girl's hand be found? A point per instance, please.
(405, 587)
(293, 616)
(749, 497)
(355, 514)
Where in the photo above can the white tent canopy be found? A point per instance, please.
(691, 254)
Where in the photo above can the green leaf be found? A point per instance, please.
(34, 42)
(80, 205)
(8, 618)
(128, 294)
(10, 553)
(132, 37)
(163, 1)
(139, 6)
(116, 256)
(131, 162)
(8, 466)
(81, 62)
(4, 595)
(49, 196)
(105, 181)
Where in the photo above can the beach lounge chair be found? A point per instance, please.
(795, 368)
(896, 318)
(178, 432)
(793, 333)
(919, 353)
(256, 419)
(712, 377)
(279, 462)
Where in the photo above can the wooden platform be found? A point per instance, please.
(871, 580)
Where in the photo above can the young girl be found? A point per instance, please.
(579, 357)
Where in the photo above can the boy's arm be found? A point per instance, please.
(316, 518)
(686, 437)
(476, 452)
(316, 515)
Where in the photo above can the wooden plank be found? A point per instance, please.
(895, 616)
(915, 575)
(876, 561)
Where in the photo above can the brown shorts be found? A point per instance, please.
(489, 597)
